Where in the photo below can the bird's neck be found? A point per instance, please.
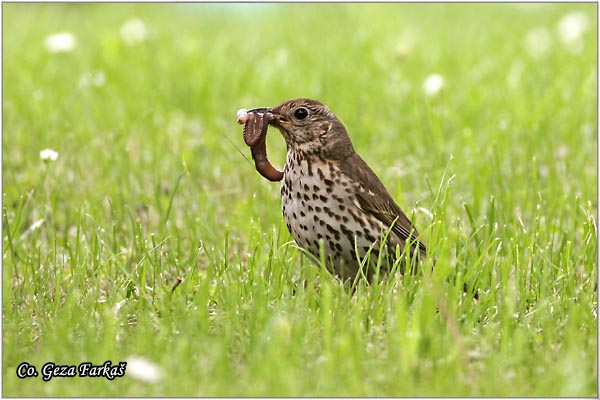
(304, 149)
(335, 149)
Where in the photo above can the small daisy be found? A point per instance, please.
(571, 28)
(60, 42)
(538, 42)
(48, 155)
(134, 31)
(433, 84)
(143, 369)
(90, 79)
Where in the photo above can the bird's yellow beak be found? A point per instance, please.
(280, 120)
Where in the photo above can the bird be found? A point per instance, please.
(334, 205)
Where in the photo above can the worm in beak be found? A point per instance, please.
(256, 122)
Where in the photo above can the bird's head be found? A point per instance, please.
(309, 126)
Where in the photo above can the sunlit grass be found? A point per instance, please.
(124, 171)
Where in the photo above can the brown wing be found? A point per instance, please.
(379, 202)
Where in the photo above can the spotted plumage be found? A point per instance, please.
(330, 196)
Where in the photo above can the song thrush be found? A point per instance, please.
(331, 198)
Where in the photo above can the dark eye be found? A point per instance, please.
(301, 113)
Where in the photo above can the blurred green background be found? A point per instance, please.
(481, 119)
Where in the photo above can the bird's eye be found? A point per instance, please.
(301, 113)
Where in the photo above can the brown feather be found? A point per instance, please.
(380, 203)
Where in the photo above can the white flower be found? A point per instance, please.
(134, 31)
(433, 84)
(48, 155)
(570, 29)
(143, 369)
(60, 42)
(572, 26)
(561, 151)
(537, 42)
(92, 79)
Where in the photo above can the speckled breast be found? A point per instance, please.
(319, 204)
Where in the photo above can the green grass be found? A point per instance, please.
(153, 183)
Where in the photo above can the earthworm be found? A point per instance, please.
(256, 123)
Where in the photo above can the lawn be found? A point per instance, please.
(146, 235)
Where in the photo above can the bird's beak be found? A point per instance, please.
(278, 119)
(281, 120)
(260, 110)
(275, 119)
